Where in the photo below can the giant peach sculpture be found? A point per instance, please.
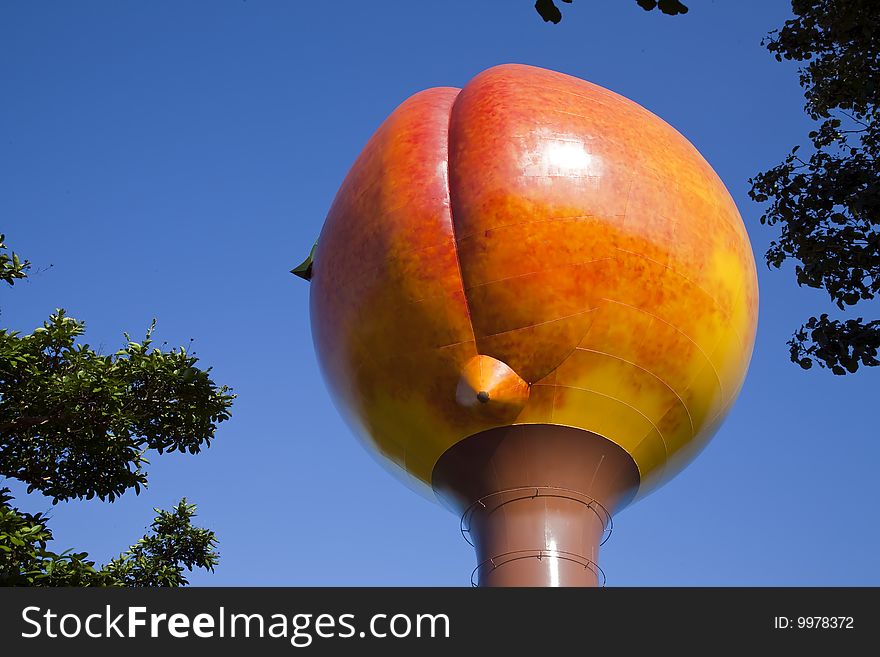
(536, 298)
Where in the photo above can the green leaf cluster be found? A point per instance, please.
(12, 267)
(161, 556)
(172, 546)
(78, 424)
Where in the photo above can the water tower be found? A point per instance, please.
(537, 299)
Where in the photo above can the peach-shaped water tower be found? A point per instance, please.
(538, 299)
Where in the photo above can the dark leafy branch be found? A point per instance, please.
(827, 203)
(839, 346)
(552, 14)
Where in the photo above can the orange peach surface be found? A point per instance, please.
(554, 226)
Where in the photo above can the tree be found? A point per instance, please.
(157, 559)
(75, 424)
(827, 203)
(551, 13)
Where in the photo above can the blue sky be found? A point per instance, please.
(175, 160)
